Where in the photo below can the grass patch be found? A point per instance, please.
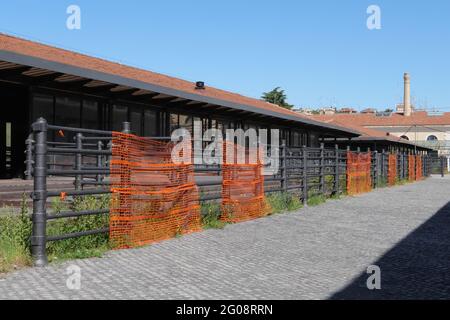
(337, 196)
(401, 182)
(316, 200)
(283, 202)
(82, 247)
(15, 231)
(382, 183)
(211, 212)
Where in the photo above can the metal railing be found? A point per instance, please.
(304, 171)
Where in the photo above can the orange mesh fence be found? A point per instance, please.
(242, 190)
(419, 174)
(412, 167)
(152, 198)
(392, 170)
(358, 173)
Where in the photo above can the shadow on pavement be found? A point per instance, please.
(418, 267)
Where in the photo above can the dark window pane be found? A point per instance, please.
(136, 121)
(150, 124)
(163, 124)
(186, 122)
(90, 115)
(119, 115)
(174, 124)
(67, 113)
(43, 107)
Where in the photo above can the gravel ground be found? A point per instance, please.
(316, 253)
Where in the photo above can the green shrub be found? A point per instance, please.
(316, 200)
(283, 201)
(401, 182)
(82, 247)
(15, 231)
(211, 212)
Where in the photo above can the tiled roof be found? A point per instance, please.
(366, 133)
(361, 119)
(48, 53)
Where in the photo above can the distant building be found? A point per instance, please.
(419, 127)
(329, 110)
(347, 111)
(369, 110)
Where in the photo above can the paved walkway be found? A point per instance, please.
(317, 253)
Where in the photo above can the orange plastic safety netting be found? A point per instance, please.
(242, 188)
(392, 170)
(419, 173)
(411, 167)
(152, 198)
(358, 172)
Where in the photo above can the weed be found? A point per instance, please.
(316, 200)
(211, 213)
(15, 231)
(283, 201)
(82, 247)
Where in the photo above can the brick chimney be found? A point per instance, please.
(407, 96)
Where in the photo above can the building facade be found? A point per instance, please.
(75, 90)
(406, 124)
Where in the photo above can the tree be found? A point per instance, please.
(278, 97)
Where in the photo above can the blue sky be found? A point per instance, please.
(320, 52)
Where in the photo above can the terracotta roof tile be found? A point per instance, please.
(361, 119)
(49, 53)
(365, 132)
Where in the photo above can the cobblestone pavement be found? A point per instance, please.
(317, 253)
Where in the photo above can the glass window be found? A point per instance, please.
(67, 113)
(174, 123)
(186, 122)
(90, 115)
(206, 124)
(119, 115)
(136, 121)
(150, 123)
(432, 138)
(163, 124)
(43, 107)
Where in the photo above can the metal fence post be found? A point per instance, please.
(442, 167)
(405, 166)
(336, 170)
(29, 157)
(126, 127)
(39, 218)
(305, 175)
(99, 160)
(424, 165)
(284, 181)
(78, 160)
(322, 169)
(375, 170)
